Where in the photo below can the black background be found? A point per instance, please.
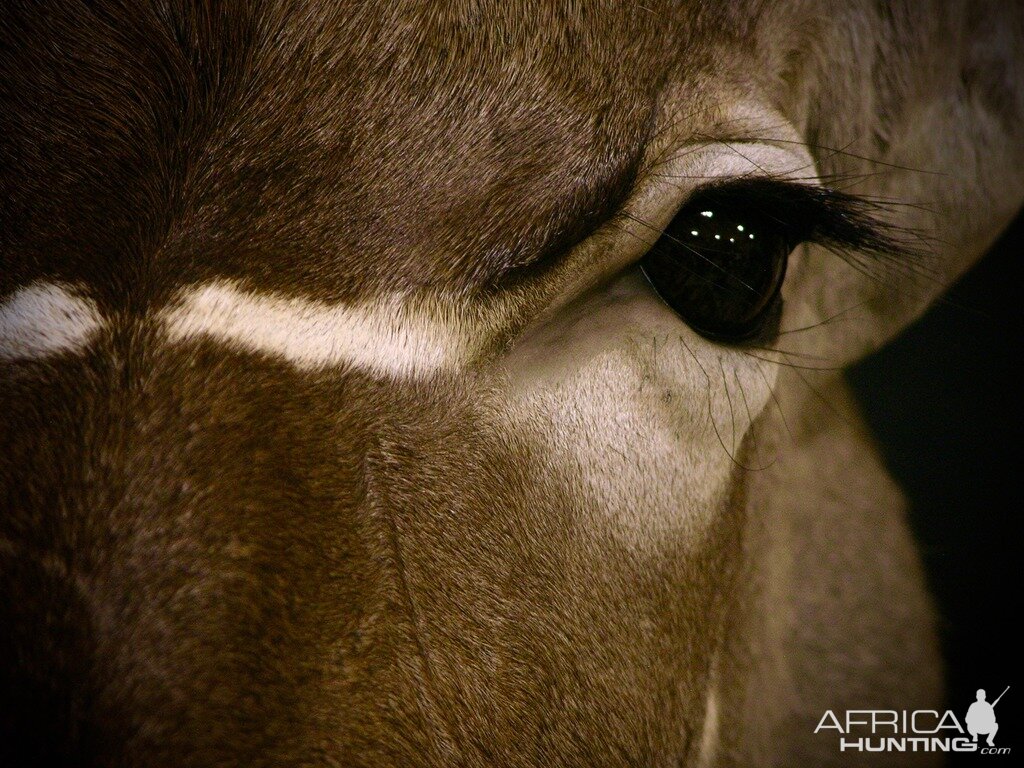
(944, 400)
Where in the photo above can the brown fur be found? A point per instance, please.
(209, 558)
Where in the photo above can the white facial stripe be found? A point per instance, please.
(709, 736)
(46, 319)
(386, 338)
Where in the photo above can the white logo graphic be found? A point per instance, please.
(919, 730)
(981, 717)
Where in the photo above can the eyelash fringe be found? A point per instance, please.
(853, 227)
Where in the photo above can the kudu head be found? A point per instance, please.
(408, 384)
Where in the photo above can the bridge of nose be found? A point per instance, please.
(197, 522)
(271, 563)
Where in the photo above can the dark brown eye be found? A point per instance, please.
(720, 266)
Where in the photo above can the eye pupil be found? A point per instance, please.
(724, 286)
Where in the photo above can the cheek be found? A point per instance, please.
(642, 416)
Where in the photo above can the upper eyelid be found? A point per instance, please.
(710, 162)
(536, 290)
(665, 185)
(660, 190)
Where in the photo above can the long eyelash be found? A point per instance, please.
(823, 215)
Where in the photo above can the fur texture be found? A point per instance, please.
(590, 537)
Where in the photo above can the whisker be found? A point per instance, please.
(805, 355)
(711, 410)
(788, 364)
(842, 153)
(841, 314)
(824, 400)
(778, 405)
(728, 397)
(750, 419)
(733, 148)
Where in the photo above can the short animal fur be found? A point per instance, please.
(338, 429)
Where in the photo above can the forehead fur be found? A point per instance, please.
(360, 146)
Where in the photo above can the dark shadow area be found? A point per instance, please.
(944, 400)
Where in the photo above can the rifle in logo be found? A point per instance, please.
(981, 717)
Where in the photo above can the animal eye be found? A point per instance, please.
(720, 265)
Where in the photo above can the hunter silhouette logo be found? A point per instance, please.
(919, 730)
(981, 717)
